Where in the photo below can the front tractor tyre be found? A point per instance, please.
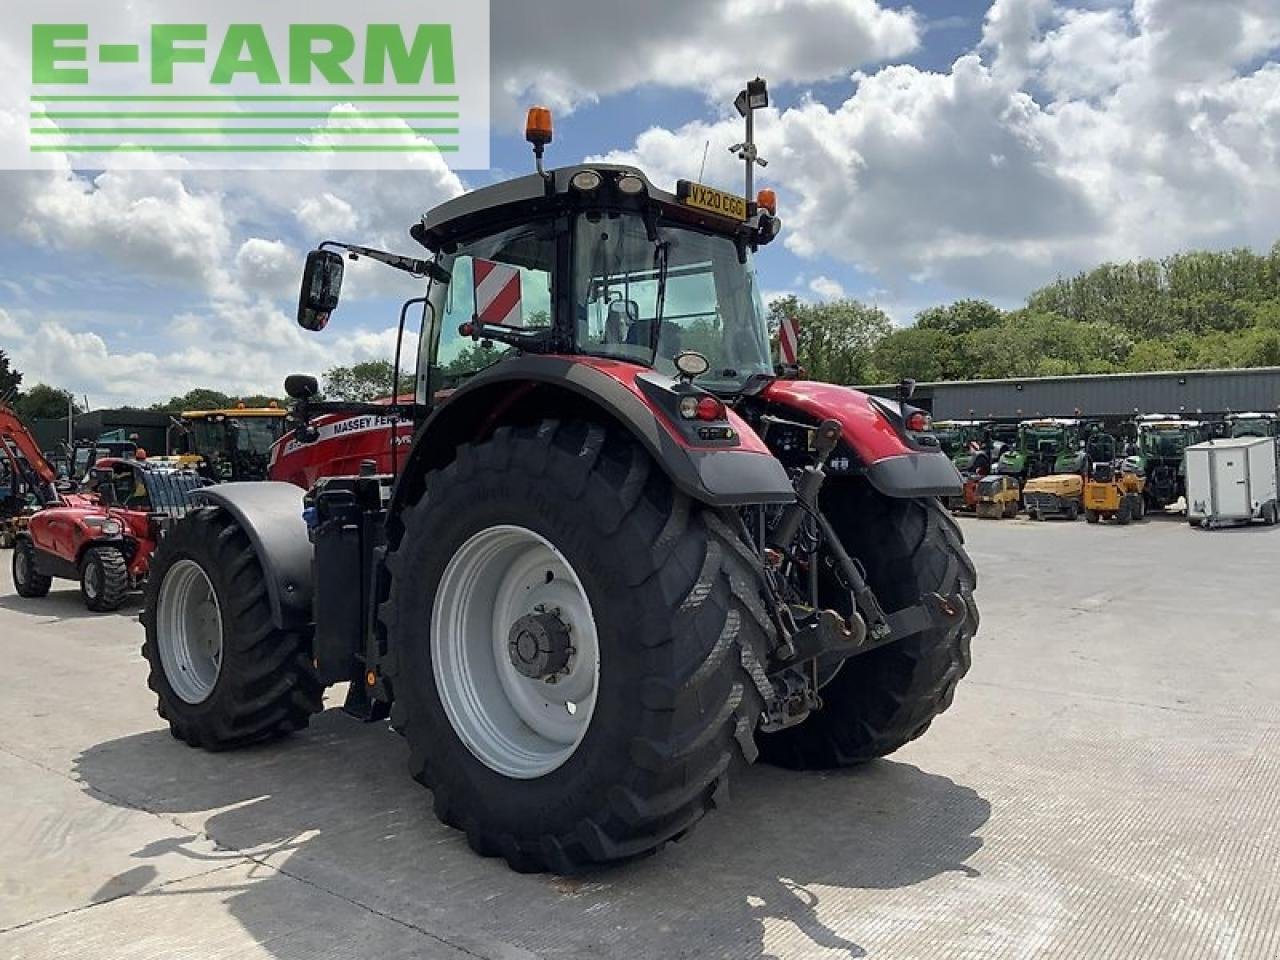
(881, 700)
(576, 647)
(223, 673)
(104, 579)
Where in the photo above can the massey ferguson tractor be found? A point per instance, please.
(620, 556)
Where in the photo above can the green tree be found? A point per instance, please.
(43, 402)
(10, 379)
(1035, 344)
(920, 353)
(836, 338)
(201, 398)
(364, 382)
(961, 317)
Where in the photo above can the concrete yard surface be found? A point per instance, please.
(1106, 785)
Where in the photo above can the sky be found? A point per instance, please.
(921, 153)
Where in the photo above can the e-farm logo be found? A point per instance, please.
(246, 85)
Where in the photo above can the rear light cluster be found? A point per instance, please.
(705, 408)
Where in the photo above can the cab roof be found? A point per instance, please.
(239, 412)
(487, 209)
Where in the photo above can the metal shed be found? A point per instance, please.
(1109, 396)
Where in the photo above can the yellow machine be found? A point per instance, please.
(1057, 495)
(997, 497)
(225, 445)
(1114, 492)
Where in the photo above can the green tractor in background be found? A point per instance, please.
(966, 442)
(1045, 447)
(1253, 425)
(1162, 441)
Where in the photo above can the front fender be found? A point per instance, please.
(270, 513)
(720, 473)
(893, 465)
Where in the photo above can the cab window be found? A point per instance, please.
(504, 279)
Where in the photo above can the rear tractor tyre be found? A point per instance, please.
(880, 701)
(1124, 512)
(26, 580)
(576, 648)
(224, 674)
(104, 579)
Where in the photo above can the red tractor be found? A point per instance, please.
(103, 537)
(620, 556)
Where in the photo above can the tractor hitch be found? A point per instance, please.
(822, 632)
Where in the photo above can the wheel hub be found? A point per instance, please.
(514, 651)
(539, 645)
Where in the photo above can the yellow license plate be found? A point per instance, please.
(716, 201)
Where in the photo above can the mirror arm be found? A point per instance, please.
(411, 265)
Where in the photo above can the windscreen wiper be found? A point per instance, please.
(661, 255)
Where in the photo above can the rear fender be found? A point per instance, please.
(892, 462)
(270, 514)
(731, 472)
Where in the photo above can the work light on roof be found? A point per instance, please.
(585, 181)
(630, 184)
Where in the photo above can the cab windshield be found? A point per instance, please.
(1164, 443)
(1251, 428)
(1043, 439)
(647, 300)
(258, 434)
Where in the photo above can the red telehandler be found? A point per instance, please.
(102, 536)
(621, 555)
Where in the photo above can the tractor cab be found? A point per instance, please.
(1046, 446)
(226, 445)
(967, 442)
(1253, 425)
(1162, 442)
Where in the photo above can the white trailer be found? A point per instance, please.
(1233, 481)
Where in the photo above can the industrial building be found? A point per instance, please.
(1113, 396)
(149, 425)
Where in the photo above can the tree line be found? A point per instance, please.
(1189, 311)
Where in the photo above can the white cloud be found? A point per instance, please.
(267, 267)
(243, 348)
(1078, 138)
(567, 52)
(325, 214)
(149, 222)
(826, 288)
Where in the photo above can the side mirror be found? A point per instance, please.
(321, 287)
(299, 386)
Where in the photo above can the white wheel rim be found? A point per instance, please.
(189, 631)
(519, 726)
